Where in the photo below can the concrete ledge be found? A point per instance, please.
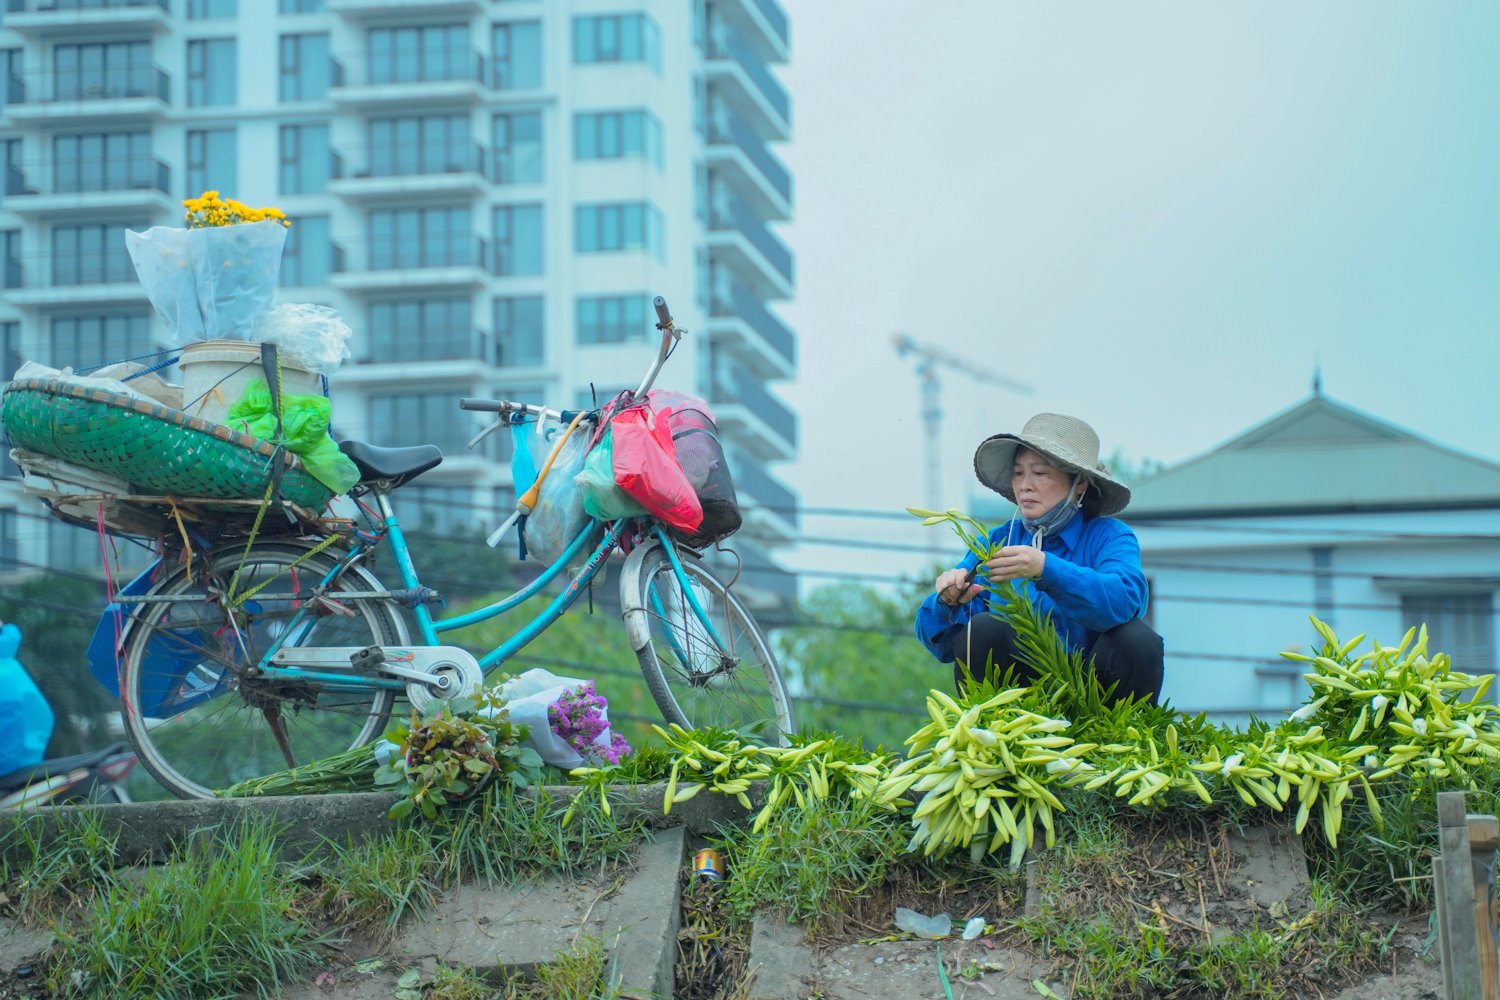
(146, 831)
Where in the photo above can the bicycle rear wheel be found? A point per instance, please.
(697, 682)
(198, 721)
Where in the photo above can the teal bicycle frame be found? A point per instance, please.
(608, 537)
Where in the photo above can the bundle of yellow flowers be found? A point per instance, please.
(208, 209)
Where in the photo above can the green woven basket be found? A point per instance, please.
(154, 447)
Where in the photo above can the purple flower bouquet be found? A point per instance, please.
(579, 719)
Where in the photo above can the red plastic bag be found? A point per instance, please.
(646, 467)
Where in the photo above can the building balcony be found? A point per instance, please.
(372, 10)
(382, 88)
(752, 418)
(142, 94)
(739, 238)
(51, 20)
(762, 23)
(771, 509)
(741, 324)
(100, 284)
(463, 172)
(739, 74)
(144, 192)
(737, 153)
(441, 355)
(465, 267)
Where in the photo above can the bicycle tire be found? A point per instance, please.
(694, 685)
(210, 724)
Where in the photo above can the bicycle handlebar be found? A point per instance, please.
(504, 406)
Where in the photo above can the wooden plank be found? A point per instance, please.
(1445, 958)
(1483, 831)
(1461, 955)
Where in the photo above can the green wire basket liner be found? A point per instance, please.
(153, 447)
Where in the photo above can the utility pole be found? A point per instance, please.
(929, 358)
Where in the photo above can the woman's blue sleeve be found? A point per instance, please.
(938, 623)
(1109, 591)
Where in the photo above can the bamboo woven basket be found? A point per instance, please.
(157, 449)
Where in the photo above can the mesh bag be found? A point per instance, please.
(702, 459)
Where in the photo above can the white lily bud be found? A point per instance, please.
(1370, 761)
(1379, 701)
(1230, 763)
(1419, 726)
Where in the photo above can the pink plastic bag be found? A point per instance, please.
(646, 467)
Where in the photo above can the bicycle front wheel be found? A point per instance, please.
(725, 677)
(197, 717)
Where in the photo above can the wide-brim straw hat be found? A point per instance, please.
(1068, 444)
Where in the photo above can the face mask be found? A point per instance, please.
(1057, 518)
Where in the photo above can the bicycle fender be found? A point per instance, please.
(632, 595)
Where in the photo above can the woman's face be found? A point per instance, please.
(1038, 485)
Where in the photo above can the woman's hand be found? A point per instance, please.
(1016, 562)
(956, 587)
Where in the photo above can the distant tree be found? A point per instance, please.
(57, 615)
(1131, 471)
(856, 664)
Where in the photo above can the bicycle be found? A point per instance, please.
(227, 674)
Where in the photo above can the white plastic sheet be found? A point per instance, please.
(527, 697)
(314, 336)
(212, 283)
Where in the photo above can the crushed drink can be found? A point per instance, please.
(709, 863)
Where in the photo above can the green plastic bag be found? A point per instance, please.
(602, 499)
(304, 429)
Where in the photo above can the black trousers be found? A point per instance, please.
(1129, 656)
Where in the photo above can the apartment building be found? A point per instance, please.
(489, 192)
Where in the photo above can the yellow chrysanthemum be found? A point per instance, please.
(209, 209)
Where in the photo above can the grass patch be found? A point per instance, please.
(48, 873)
(370, 886)
(221, 918)
(811, 861)
(1150, 909)
(505, 837)
(581, 973)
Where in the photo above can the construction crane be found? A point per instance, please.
(929, 359)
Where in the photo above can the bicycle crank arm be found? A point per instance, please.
(432, 673)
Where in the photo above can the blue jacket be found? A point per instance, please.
(1091, 582)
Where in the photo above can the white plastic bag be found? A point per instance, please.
(211, 283)
(316, 337)
(559, 516)
(527, 698)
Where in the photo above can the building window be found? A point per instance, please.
(1461, 625)
(203, 10)
(434, 144)
(612, 135)
(211, 72)
(307, 255)
(303, 6)
(211, 161)
(635, 225)
(13, 275)
(305, 159)
(113, 69)
(517, 59)
(612, 319)
(518, 240)
(91, 254)
(424, 53)
(617, 38)
(304, 67)
(9, 550)
(108, 161)
(420, 237)
(519, 331)
(518, 148)
(438, 510)
(411, 418)
(12, 79)
(422, 330)
(82, 341)
(72, 548)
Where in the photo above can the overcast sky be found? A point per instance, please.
(1159, 215)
